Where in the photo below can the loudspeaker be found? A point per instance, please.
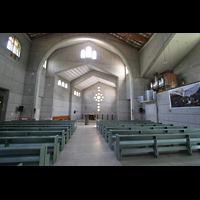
(21, 108)
(141, 110)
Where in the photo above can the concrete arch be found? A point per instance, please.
(77, 39)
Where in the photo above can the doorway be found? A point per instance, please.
(4, 93)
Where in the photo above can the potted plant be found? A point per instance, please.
(95, 115)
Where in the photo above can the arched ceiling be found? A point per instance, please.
(136, 40)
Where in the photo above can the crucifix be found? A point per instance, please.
(98, 97)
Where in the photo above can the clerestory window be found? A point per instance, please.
(14, 46)
(88, 53)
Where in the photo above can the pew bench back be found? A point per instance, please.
(25, 155)
(50, 141)
(126, 144)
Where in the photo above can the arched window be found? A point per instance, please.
(66, 85)
(14, 46)
(59, 82)
(83, 53)
(94, 54)
(74, 92)
(88, 52)
(63, 84)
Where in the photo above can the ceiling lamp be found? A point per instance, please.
(179, 52)
(165, 62)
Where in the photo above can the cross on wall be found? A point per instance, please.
(98, 97)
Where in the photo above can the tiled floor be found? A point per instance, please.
(87, 147)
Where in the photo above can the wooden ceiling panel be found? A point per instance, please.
(136, 40)
(34, 36)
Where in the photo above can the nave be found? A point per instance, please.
(87, 147)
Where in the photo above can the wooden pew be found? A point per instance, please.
(113, 133)
(100, 123)
(50, 141)
(72, 123)
(131, 127)
(155, 143)
(102, 126)
(136, 126)
(39, 127)
(61, 136)
(26, 155)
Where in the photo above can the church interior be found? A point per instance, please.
(87, 80)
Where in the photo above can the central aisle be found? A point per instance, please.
(87, 147)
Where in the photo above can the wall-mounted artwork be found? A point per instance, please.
(185, 96)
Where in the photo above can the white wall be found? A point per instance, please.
(76, 105)
(12, 73)
(41, 93)
(151, 112)
(61, 98)
(107, 105)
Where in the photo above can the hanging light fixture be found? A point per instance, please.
(188, 53)
(178, 52)
(169, 56)
(165, 62)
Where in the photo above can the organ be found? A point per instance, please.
(163, 81)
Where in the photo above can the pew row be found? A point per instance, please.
(139, 128)
(45, 123)
(61, 136)
(50, 141)
(26, 155)
(113, 133)
(37, 128)
(155, 143)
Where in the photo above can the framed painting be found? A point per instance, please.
(185, 96)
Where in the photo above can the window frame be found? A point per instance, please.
(59, 82)
(14, 46)
(83, 53)
(88, 52)
(94, 54)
